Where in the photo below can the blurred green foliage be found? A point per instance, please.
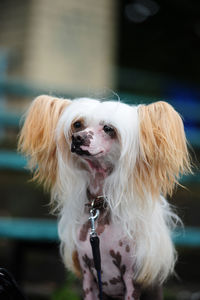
(169, 295)
(71, 290)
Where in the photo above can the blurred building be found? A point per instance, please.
(65, 44)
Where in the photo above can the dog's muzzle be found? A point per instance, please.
(77, 142)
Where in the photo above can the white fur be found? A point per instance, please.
(147, 224)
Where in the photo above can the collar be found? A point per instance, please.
(98, 202)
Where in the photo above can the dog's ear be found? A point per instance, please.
(163, 149)
(37, 137)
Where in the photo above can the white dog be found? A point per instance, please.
(124, 158)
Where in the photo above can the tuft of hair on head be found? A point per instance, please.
(37, 137)
(163, 149)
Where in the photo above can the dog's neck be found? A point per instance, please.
(98, 172)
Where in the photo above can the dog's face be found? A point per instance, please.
(96, 144)
(96, 140)
(95, 132)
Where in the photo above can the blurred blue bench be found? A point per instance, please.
(29, 229)
(11, 160)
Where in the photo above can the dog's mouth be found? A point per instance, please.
(79, 151)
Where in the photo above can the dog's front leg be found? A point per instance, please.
(90, 289)
(132, 291)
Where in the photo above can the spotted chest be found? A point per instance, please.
(116, 261)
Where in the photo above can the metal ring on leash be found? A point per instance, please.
(94, 214)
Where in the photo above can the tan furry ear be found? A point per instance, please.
(163, 149)
(37, 137)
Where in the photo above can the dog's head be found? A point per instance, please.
(148, 142)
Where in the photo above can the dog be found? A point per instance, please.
(124, 158)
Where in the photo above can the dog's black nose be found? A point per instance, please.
(77, 142)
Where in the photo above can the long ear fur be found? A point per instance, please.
(163, 149)
(37, 137)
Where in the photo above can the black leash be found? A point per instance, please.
(94, 241)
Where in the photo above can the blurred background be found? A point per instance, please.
(138, 50)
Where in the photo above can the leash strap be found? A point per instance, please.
(94, 241)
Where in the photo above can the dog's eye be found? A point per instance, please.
(77, 125)
(109, 130)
